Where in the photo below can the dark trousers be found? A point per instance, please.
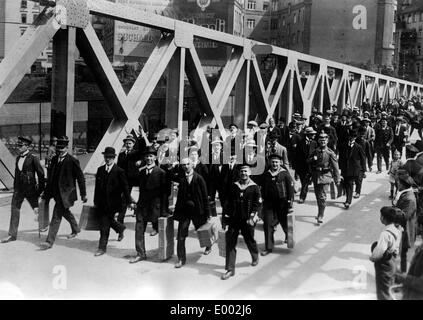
(232, 234)
(140, 227)
(17, 200)
(122, 212)
(349, 187)
(305, 179)
(183, 228)
(60, 211)
(320, 191)
(107, 221)
(359, 183)
(274, 212)
(382, 153)
(384, 275)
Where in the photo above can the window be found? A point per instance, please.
(251, 5)
(421, 16)
(416, 17)
(266, 25)
(298, 36)
(34, 16)
(265, 6)
(293, 38)
(283, 22)
(274, 5)
(409, 19)
(23, 30)
(24, 4)
(274, 24)
(251, 23)
(295, 18)
(289, 8)
(418, 68)
(23, 18)
(419, 50)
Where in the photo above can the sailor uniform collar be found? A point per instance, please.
(274, 174)
(245, 186)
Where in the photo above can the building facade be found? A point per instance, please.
(409, 55)
(15, 17)
(356, 32)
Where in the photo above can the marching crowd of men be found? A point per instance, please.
(249, 171)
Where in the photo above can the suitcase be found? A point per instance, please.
(205, 235)
(43, 214)
(166, 236)
(89, 219)
(291, 230)
(221, 243)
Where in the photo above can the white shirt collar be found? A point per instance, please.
(24, 154)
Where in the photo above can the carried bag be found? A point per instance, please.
(221, 243)
(291, 230)
(166, 238)
(90, 218)
(205, 235)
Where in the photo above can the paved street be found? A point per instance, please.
(328, 262)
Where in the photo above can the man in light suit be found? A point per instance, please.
(25, 185)
(61, 185)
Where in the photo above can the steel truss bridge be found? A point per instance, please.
(67, 23)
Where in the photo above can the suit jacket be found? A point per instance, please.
(127, 163)
(69, 174)
(153, 193)
(109, 188)
(408, 204)
(302, 152)
(216, 176)
(352, 161)
(200, 199)
(25, 181)
(383, 137)
(284, 137)
(399, 140)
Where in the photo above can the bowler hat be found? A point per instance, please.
(217, 140)
(129, 137)
(264, 125)
(109, 151)
(149, 150)
(62, 142)
(251, 144)
(233, 125)
(25, 140)
(252, 123)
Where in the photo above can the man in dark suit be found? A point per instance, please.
(284, 137)
(304, 148)
(127, 160)
(383, 141)
(277, 190)
(25, 185)
(61, 186)
(151, 202)
(400, 136)
(273, 128)
(110, 185)
(352, 162)
(191, 205)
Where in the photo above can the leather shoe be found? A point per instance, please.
(72, 235)
(346, 205)
(179, 264)
(356, 196)
(319, 220)
(265, 253)
(207, 251)
(8, 239)
(138, 258)
(227, 275)
(153, 233)
(45, 245)
(99, 253)
(255, 262)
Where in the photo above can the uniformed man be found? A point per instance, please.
(242, 216)
(25, 185)
(277, 191)
(324, 169)
(383, 141)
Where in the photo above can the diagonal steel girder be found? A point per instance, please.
(14, 67)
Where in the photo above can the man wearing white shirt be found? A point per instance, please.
(25, 185)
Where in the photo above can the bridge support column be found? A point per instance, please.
(175, 90)
(241, 108)
(63, 84)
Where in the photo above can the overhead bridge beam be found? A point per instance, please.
(241, 81)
